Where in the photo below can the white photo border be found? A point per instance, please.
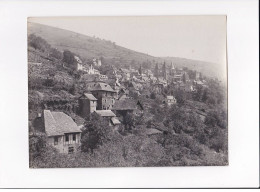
(243, 104)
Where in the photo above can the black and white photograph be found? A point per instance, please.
(137, 91)
(129, 94)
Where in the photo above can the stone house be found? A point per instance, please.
(104, 93)
(87, 104)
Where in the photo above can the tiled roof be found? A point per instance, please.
(58, 123)
(105, 113)
(90, 97)
(99, 86)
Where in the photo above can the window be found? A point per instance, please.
(56, 140)
(66, 137)
(74, 137)
(71, 150)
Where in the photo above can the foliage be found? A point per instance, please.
(38, 43)
(153, 95)
(216, 118)
(214, 94)
(68, 57)
(49, 83)
(96, 131)
(73, 90)
(180, 96)
(55, 53)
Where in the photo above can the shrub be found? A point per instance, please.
(38, 43)
(49, 83)
(153, 95)
(68, 57)
(55, 53)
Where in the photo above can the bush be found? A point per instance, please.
(55, 53)
(68, 57)
(37, 145)
(38, 43)
(153, 95)
(215, 118)
(95, 132)
(217, 143)
(49, 83)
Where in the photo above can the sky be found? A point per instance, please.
(193, 37)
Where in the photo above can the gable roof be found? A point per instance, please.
(105, 113)
(58, 123)
(89, 96)
(99, 86)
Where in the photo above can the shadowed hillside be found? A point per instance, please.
(88, 47)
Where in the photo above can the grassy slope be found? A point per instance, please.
(88, 47)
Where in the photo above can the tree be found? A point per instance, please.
(55, 53)
(205, 95)
(180, 96)
(153, 95)
(49, 83)
(38, 43)
(156, 70)
(37, 145)
(215, 118)
(68, 57)
(129, 121)
(96, 131)
(73, 90)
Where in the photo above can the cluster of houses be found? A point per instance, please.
(108, 96)
(64, 134)
(87, 68)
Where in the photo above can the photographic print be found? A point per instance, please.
(135, 91)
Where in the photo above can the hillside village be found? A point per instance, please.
(91, 110)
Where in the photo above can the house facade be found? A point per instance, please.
(170, 100)
(87, 104)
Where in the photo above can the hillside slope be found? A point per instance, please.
(85, 46)
(88, 47)
(206, 68)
